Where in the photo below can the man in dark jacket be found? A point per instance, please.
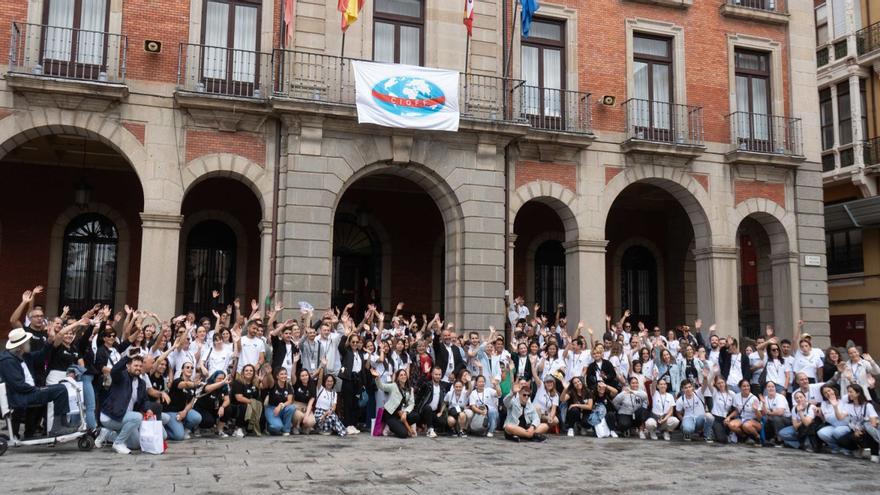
(447, 357)
(429, 403)
(601, 370)
(122, 409)
(16, 365)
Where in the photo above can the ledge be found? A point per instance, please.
(209, 101)
(757, 15)
(658, 152)
(581, 140)
(73, 87)
(678, 4)
(741, 157)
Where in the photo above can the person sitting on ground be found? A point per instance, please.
(398, 403)
(123, 408)
(522, 420)
(662, 409)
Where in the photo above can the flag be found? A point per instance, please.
(529, 7)
(469, 16)
(350, 10)
(288, 23)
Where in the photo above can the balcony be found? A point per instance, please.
(760, 139)
(557, 110)
(867, 43)
(324, 85)
(77, 62)
(768, 11)
(663, 129)
(210, 77)
(677, 4)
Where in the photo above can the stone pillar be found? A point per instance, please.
(511, 245)
(858, 135)
(717, 286)
(585, 284)
(786, 302)
(160, 248)
(266, 269)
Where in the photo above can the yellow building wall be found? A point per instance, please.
(861, 295)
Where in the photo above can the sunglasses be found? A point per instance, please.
(187, 367)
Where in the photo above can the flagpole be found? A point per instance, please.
(516, 5)
(342, 50)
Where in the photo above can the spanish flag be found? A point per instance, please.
(350, 10)
(469, 16)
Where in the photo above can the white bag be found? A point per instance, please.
(602, 430)
(152, 441)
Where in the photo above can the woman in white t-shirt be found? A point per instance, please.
(777, 371)
(834, 413)
(635, 371)
(483, 401)
(325, 409)
(776, 413)
(662, 409)
(546, 403)
(551, 362)
(745, 418)
(215, 358)
(722, 402)
(863, 423)
(456, 404)
(802, 432)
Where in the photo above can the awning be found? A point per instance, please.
(859, 213)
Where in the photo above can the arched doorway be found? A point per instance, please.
(357, 265)
(550, 275)
(210, 262)
(88, 266)
(539, 264)
(638, 284)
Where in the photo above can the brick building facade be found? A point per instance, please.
(696, 193)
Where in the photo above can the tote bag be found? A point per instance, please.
(151, 437)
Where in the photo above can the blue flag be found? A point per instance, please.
(529, 7)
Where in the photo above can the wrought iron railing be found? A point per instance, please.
(224, 71)
(868, 39)
(762, 133)
(557, 110)
(766, 5)
(329, 79)
(660, 121)
(68, 53)
(871, 151)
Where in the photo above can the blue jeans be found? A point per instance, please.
(89, 401)
(831, 434)
(492, 415)
(790, 437)
(281, 422)
(177, 429)
(128, 429)
(690, 424)
(597, 415)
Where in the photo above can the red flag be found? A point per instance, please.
(350, 10)
(288, 22)
(469, 16)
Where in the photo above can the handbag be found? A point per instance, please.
(602, 430)
(151, 437)
(378, 424)
(479, 424)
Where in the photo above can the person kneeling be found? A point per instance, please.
(522, 421)
(123, 408)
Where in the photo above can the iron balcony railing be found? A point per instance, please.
(557, 109)
(868, 39)
(872, 151)
(329, 79)
(762, 133)
(68, 53)
(777, 6)
(663, 122)
(224, 71)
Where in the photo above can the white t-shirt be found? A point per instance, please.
(325, 399)
(215, 360)
(251, 348)
(721, 402)
(460, 400)
(735, 374)
(487, 398)
(552, 366)
(178, 358)
(814, 395)
(660, 403)
(860, 414)
(435, 398)
(544, 400)
(576, 363)
(776, 371)
(745, 406)
(777, 402)
(809, 412)
(754, 359)
(807, 364)
(691, 406)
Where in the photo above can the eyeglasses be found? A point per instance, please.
(187, 367)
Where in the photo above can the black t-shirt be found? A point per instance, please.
(158, 382)
(180, 397)
(212, 401)
(303, 393)
(249, 391)
(61, 357)
(278, 395)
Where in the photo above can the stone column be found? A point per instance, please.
(266, 269)
(585, 283)
(786, 302)
(858, 135)
(511, 245)
(717, 286)
(160, 248)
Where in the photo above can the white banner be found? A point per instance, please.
(406, 96)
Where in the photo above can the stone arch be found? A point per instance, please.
(682, 186)
(561, 199)
(254, 176)
(779, 224)
(661, 275)
(25, 125)
(56, 254)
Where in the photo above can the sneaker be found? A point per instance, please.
(641, 435)
(709, 440)
(386, 431)
(222, 434)
(750, 441)
(239, 433)
(489, 435)
(875, 459)
(101, 438)
(570, 432)
(351, 430)
(539, 438)
(462, 434)
(866, 453)
(121, 448)
(613, 434)
(187, 436)
(731, 438)
(197, 433)
(432, 433)
(325, 433)
(847, 453)
(665, 436)
(285, 434)
(686, 437)
(653, 435)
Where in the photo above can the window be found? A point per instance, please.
(543, 55)
(826, 118)
(398, 31)
(210, 265)
(231, 40)
(838, 16)
(863, 101)
(652, 81)
(638, 284)
(550, 275)
(73, 43)
(753, 97)
(821, 25)
(844, 251)
(88, 267)
(844, 114)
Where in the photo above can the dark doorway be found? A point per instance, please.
(550, 276)
(88, 274)
(210, 265)
(357, 266)
(638, 285)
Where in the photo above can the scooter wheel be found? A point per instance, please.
(3, 446)
(86, 442)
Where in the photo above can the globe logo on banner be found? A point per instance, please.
(409, 96)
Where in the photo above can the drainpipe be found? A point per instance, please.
(276, 184)
(507, 330)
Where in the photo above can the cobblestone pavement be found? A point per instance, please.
(364, 465)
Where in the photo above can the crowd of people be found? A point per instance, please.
(404, 375)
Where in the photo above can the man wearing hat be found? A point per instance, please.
(15, 369)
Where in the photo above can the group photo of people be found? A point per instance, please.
(264, 370)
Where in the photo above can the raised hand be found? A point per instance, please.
(27, 296)
(38, 290)
(215, 294)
